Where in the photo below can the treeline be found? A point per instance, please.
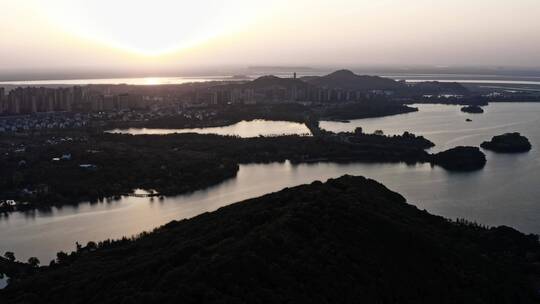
(105, 165)
(230, 114)
(223, 115)
(365, 110)
(97, 166)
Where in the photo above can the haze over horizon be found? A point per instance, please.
(161, 35)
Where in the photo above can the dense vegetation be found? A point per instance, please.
(365, 110)
(347, 241)
(508, 143)
(347, 80)
(100, 166)
(231, 114)
(226, 115)
(437, 87)
(461, 159)
(114, 164)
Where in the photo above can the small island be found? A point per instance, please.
(461, 159)
(508, 143)
(472, 109)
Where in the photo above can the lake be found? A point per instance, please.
(3, 281)
(446, 125)
(505, 192)
(114, 81)
(245, 129)
(159, 80)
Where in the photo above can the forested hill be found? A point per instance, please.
(347, 80)
(350, 240)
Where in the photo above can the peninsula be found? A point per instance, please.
(87, 166)
(346, 240)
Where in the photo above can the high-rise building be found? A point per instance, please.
(3, 101)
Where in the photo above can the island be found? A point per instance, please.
(461, 159)
(342, 241)
(473, 109)
(229, 115)
(366, 110)
(71, 167)
(508, 143)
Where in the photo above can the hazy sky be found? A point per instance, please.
(65, 34)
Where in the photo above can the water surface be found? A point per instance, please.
(506, 192)
(462, 78)
(115, 81)
(446, 125)
(3, 280)
(245, 129)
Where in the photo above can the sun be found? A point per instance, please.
(151, 27)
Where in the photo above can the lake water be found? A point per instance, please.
(446, 125)
(131, 81)
(3, 281)
(474, 81)
(505, 192)
(462, 78)
(246, 129)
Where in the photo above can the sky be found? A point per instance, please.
(164, 34)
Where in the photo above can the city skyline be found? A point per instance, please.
(160, 35)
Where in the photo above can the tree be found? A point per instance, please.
(18, 178)
(91, 246)
(10, 256)
(33, 261)
(61, 257)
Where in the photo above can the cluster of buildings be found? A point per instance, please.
(32, 100)
(96, 102)
(110, 98)
(217, 96)
(36, 100)
(270, 89)
(42, 122)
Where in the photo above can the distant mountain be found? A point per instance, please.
(437, 87)
(349, 240)
(347, 80)
(279, 69)
(274, 81)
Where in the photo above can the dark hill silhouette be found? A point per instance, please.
(349, 240)
(461, 159)
(474, 109)
(508, 143)
(347, 80)
(437, 87)
(274, 81)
